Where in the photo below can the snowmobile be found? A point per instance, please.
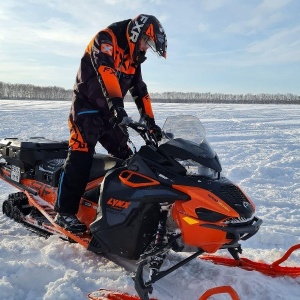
(169, 195)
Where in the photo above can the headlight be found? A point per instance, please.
(196, 169)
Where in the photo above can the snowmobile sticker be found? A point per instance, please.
(15, 173)
(43, 189)
(118, 204)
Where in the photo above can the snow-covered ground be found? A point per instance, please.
(259, 148)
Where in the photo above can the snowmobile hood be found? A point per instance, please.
(183, 149)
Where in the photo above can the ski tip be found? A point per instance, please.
(105, 294)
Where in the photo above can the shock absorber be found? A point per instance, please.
(161, 229)
(157, 260)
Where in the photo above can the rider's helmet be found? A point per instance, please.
(149, 28)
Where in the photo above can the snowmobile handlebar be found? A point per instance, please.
(142, 129)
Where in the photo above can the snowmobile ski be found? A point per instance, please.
(226, 289)
(105, 294)
(274, 269)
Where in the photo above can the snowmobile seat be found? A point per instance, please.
(48, 171)
(102, 163)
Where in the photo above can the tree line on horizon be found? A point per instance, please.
(32, 92)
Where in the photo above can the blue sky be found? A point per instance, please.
(217, 46)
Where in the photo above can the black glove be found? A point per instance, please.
(119, 113)
(154, 129)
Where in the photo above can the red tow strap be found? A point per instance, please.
(273, 269)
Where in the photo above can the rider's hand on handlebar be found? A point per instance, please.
(119, 113)
(157, 132)
(154, 129)
(119, 118)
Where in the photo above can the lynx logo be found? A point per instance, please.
(118, 204)
(136, 29)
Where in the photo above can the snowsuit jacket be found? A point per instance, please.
(106, 74)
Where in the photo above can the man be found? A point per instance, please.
(109, 68)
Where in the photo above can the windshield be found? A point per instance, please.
(185, 140)
(186, 127)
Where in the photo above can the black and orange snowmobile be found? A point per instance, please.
(168, 196)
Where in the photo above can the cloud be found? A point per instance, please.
(255, 24)
(210, 5)
(46, 39)
(163, 17)
(3, 16)
(255, 19)
(270, 5)
(134, 4)
(202, 27)
(281, 47)
(59, 31)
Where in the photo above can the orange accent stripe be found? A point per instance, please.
(90, 45)
(126, 176)
(87, 214)
(83, 239)
(150, 32)
(76, 141)
(204, 198)
(92, 184)
(148, 106)
(110, 81)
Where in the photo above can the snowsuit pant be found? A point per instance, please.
(84, 134)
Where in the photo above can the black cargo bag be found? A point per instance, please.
(27, 153)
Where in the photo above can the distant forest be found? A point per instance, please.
(32, 92)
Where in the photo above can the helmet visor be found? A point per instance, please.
(149, 42)
(158, 47)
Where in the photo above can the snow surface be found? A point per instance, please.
(259, 148)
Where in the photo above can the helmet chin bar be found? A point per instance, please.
(140, 57)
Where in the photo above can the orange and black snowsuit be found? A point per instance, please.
(105, 75)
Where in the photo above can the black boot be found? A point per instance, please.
(70, 223)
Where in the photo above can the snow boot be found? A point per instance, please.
(70, 223)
